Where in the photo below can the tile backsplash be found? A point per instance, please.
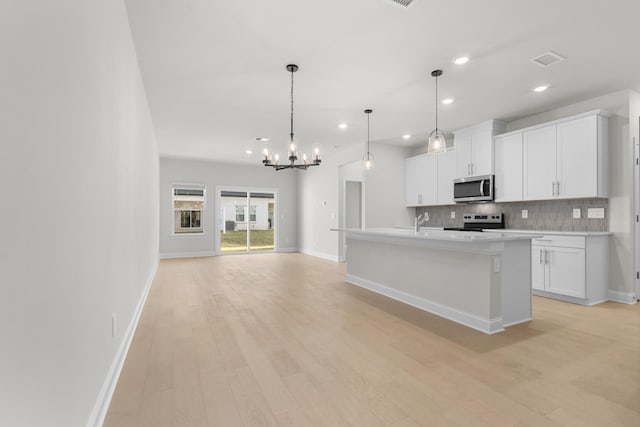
(542, 215)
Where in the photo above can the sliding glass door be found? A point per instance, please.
(247, 221)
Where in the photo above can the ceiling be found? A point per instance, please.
(215, 73)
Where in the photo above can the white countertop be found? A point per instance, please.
(563, 233)
(441, 235)
(541, 232)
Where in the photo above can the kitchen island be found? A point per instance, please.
(481, 280)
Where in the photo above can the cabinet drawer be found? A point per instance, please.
(561, 241)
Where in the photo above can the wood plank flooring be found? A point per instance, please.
(282, 340)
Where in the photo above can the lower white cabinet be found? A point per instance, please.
(573, 268)
(559, 270)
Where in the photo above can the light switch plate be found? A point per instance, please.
(595, 213)
(577, 213)
(453, 214)
(525, 213)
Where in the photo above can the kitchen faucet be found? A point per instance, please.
(420, 220)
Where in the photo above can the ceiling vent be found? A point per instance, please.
(547, 58)
(405, 3)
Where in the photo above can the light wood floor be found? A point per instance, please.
(280, 339)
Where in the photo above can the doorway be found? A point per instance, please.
(636, 180)
(247, 221)
(351, 206)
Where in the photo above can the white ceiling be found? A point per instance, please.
(215, 73)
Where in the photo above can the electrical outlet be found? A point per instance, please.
(525, 214)
(595, 213)
(496, 265)
(453, 214)
(577, 213)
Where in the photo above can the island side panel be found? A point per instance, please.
(516, 282)
(455, 285)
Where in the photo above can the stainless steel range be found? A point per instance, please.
(478, 222)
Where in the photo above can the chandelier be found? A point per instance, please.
(274, 161)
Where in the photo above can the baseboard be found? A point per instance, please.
(622, 297)
(288, 250)
(108, 387)
(169, 255)
(322, 255)
(467, 319)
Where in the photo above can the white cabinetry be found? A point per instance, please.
(429, 179)
(474, 148)
(446, 175)
(508, 165)
(540, 163)
(571, 268)
(566, 159)
(421, 185)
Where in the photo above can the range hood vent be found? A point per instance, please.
(547, 58)
(405, 3)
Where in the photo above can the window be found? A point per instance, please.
(240, 213)
(188, 204)
(252, 214)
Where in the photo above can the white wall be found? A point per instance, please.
(79, 165)
(214, 174)
(384, 189)
(320, 193)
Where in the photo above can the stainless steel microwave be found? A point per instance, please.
(473, 189)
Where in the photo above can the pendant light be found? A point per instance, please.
(367, 160)
(274, 162)
(437, 141)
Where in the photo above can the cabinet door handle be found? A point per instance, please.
(471, 164)
(553, 188)
(557, 188)
(468, 168)
(541, 250)
(546, 256)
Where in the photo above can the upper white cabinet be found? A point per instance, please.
(579, 158)
(540, 163)
(565, 159)
(421, 185)
(474, 148)
(429, 179)
(446, 175)
(508, 164)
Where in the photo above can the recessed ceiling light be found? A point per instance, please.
(248, 151)
(461, 60)
(406, 136)
(447, 101)
(342, 126)
(541, 88)
(261, 139)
